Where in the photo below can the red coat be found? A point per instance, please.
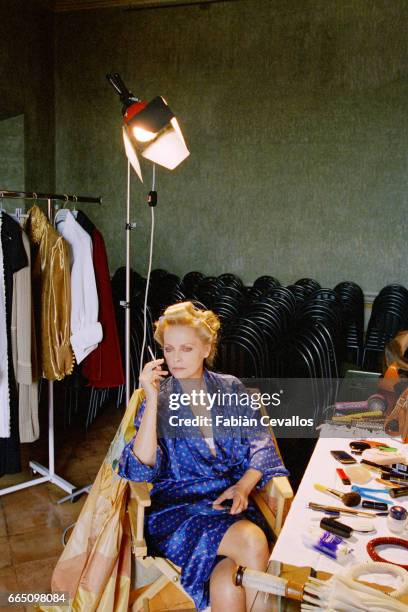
(103, 367)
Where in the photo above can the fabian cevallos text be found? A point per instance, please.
(207, 401)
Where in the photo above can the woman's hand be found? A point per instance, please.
(150, 377)
(239, 496)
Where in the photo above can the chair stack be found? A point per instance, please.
(389, 316)
(249, 340)
(352, 299)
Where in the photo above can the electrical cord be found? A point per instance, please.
(65, 533)
(148, 274)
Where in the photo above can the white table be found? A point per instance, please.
(289, 548)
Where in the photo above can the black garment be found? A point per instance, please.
(85, 222)
(14, 258)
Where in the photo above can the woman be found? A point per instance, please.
(195, 470)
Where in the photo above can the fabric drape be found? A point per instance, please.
(23, 354)
(95, 565)
(4, 380)
(14, 259)
(52, 295)
(85, 328)
(103, 367)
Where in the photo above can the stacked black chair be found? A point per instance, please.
(264, 283)
(300, 292)
(352, 299)
(241, 350)
(389, 316)
(206, 291)
(190, 282)
(309, 284)
(165, 289)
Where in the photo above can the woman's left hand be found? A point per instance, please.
(239, 498)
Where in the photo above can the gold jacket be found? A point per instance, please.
(51, 286)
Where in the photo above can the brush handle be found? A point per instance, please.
(261, 581)
(323, 489)
(314, 506)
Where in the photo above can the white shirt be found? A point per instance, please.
(85, 328)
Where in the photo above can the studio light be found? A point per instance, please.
(150, 129)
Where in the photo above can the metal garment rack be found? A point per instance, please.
(48, 474)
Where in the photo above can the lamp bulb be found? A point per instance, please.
(143, 135)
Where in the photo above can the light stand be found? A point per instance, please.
(152, 130)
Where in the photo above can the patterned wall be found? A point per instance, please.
(295, 113)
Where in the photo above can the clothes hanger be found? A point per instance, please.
(75, 212)
(3, 211)
(19, 215)
(62, 213)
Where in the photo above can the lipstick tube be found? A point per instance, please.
(373, 505)
(329, 524)
(400, 492)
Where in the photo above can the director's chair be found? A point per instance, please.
(273, 501)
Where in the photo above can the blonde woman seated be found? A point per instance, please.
(195, 470)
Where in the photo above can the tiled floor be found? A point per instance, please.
(32, 524)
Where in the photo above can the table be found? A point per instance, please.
(290, 557)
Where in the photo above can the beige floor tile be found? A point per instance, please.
(30, 518)
(9, 480)
(8, 581)
(3, 525)
(35, 576)
(76, 473)
(68, 513)
(30, 498)
(5, 554)
(39, 544)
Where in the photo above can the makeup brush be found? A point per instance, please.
(350, 511)
(349, 499)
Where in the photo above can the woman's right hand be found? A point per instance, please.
(150, 377)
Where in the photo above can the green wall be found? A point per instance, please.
(27, 88)
(295, 113)
(12, 163)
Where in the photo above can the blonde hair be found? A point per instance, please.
(205, 322)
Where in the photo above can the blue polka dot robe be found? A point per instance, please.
(181, 524)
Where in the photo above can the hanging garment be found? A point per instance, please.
(103, 367)
(14, 259)
(21, 342)
(85, 328)
(4, 382)
(51, 286)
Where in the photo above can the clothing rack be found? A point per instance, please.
(48, 474)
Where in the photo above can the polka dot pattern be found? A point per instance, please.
(181, 523)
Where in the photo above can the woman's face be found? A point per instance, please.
(184, 351)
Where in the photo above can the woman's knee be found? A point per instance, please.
(252, 540)
(244, 540)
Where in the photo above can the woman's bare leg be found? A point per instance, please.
(245, 544)
(224, 595)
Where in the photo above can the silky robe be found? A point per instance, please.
(181, 523)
